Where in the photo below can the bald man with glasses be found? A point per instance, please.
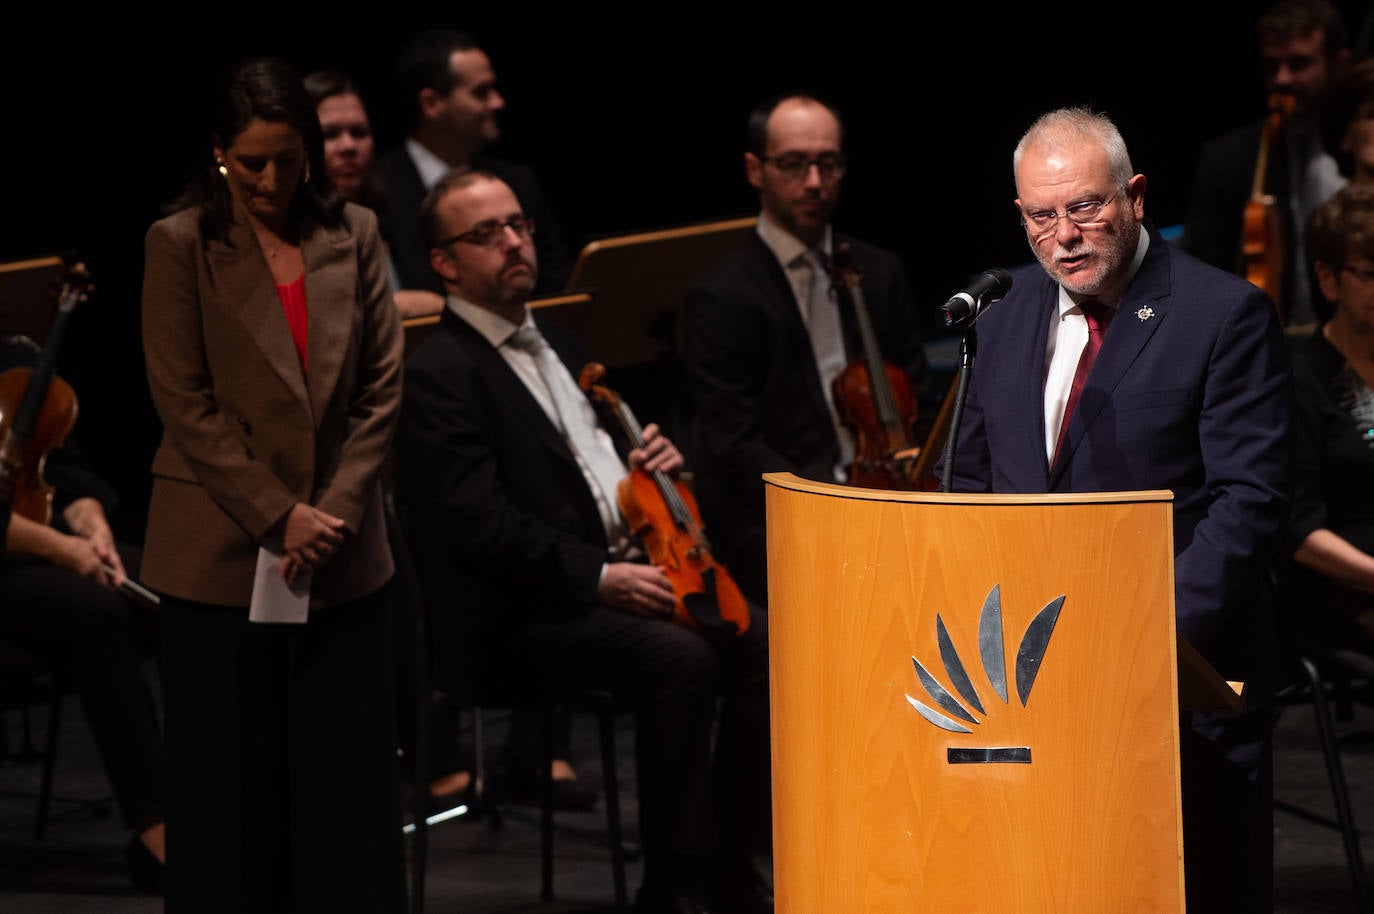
(764, 336)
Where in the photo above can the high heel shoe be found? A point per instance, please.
(145, 870)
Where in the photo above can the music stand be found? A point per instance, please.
(640, 281)
(27, 302)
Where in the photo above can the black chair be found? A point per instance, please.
(28, 682)
(1331, 678)
(415, 666)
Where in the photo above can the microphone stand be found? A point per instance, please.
(968, 348)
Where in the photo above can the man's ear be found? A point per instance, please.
(429, 102)
(753, 170)
(443, 263)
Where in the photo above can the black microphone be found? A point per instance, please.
(965, 306)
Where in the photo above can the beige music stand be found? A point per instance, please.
(640, 281)
(27, 300)
(878, 808)
(572, 309)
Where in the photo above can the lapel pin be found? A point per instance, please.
(1145, 313)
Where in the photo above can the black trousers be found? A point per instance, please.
(96, 642)
(1228, 810)
(283, 781)
(693, 801)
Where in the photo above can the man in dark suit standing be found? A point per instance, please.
(1188, 390)
(447, 87)
(764, 336)
(511, 481)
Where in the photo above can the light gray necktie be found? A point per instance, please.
(576, 420)
(822, 316)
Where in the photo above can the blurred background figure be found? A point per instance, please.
(1329, 579)
(349, 145)
(448, 95)
(1301, 45)
(60, 601)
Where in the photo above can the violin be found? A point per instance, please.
(874, 399)
(664, 514)
(1262, 233)
(37, 413)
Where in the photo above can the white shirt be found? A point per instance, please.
(431, 168)
(1068, 335)
(497, 330)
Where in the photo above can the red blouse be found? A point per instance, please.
(292, 297)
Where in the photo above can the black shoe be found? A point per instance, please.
(145, 870)
(685, 896)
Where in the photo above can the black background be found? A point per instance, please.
(633, 118)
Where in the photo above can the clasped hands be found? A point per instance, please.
(310, 538)
(631, 586)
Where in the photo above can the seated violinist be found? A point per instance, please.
(59, 600)
(765, 336)
(510, 480)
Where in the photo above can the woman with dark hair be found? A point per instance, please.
(273, 356)
(348, 149)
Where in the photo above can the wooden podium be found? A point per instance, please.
(1042, 627)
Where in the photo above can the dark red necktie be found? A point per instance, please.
(1098, 317)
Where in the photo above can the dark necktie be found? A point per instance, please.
(1098, 317)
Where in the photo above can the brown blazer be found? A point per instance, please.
(245, 434)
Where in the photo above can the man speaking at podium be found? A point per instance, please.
(1189, 391)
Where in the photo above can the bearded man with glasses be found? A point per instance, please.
(1121, 363)
(764, 335)
(510, 478)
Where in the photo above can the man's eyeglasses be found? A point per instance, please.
(488, 234)
(1364, 275)
(1042, 221)
(795, 165)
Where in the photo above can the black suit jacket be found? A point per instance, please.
(504, 527)
(757, 403)
(402, 191)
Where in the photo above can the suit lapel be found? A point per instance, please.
(768, 276)
(509, 389)
(331, 295)
(1142, 311)
(250, 295)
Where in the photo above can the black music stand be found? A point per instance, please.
(640, 281)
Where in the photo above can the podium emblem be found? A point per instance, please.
(992, 656)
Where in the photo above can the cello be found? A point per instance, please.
(874, 399)
(1262, 232)
(664, 514)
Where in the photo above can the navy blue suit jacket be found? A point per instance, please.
(1190, 392)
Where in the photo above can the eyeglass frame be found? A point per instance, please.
(1048, 230)
(522, 225)
(829, 171)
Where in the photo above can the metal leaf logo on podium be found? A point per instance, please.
(992, 656)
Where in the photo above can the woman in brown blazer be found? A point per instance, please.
(273, 353)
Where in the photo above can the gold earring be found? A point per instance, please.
(223, 169)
